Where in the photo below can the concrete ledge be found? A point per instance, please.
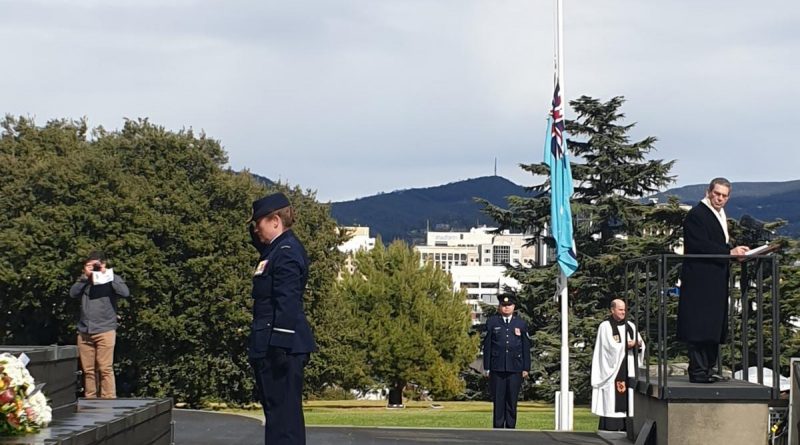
(56, 366)
(703, 422)
(680, 388)
(107, 422)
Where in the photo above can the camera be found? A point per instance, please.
(97, 267)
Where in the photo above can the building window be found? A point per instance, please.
(502, 255)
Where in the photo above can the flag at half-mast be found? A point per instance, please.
(555, 156)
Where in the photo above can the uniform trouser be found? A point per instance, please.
(97, 357)
(504, 387)
(279, 385)
(702, 359)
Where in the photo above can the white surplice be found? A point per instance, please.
(606, 360)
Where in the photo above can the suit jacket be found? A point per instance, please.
(703, 302)
(279, 281)
(506, 347)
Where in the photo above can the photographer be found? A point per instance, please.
(98, 288)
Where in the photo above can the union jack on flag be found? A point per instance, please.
(560, 186)
(557, 132)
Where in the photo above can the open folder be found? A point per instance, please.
(766, 248)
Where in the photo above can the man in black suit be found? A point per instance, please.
(280, 337)
(506, 360)
(703, 303)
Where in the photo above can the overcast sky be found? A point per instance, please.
(355, 97)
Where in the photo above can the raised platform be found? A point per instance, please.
(89, 421)
(57, 367)
(731, 412)
(680, 388)
(107, 422)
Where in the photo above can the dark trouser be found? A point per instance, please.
(702, 359)
(504, 387)
(279, 385)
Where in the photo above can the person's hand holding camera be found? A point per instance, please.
(94, 266)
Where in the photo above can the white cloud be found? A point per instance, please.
(356, 97)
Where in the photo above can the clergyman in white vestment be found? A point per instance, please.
(614, 360)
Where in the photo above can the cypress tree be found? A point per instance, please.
(612, 224)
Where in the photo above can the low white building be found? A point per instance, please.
(359, 240)
(482, 285)
(476, 261)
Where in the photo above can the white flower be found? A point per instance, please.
(43, 413)
(35, 412)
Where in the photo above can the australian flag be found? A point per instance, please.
(555, 156)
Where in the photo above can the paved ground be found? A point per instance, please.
(208, 428)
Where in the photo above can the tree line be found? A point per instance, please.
(171, 216)
(612, 225)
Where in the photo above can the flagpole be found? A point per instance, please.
(565, 402)
(564, 420)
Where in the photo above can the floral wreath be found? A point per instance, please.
(23, 406)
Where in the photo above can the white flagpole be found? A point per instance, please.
(564, 417)
(565, 402)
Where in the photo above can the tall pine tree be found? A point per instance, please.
(612, 225)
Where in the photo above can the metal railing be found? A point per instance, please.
(652, 288)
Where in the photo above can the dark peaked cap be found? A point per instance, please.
(506, 299)
(268, 204)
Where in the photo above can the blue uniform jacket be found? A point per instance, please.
(506, 347)
(279, 281)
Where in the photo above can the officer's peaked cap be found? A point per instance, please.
(268, 204)
(506, 299)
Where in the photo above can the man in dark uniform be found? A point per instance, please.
(280, 337)
(506, 360)
(703, 303)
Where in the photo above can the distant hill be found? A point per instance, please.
(405, 214)
(766, 201)
(266, 181)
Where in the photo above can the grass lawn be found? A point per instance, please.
(530, 415)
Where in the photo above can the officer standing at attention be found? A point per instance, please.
(506, 360)
(280, 337)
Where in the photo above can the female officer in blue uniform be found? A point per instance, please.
(280, 337)
(506, 360)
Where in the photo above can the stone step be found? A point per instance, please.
(56, 367)
(107, 422)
